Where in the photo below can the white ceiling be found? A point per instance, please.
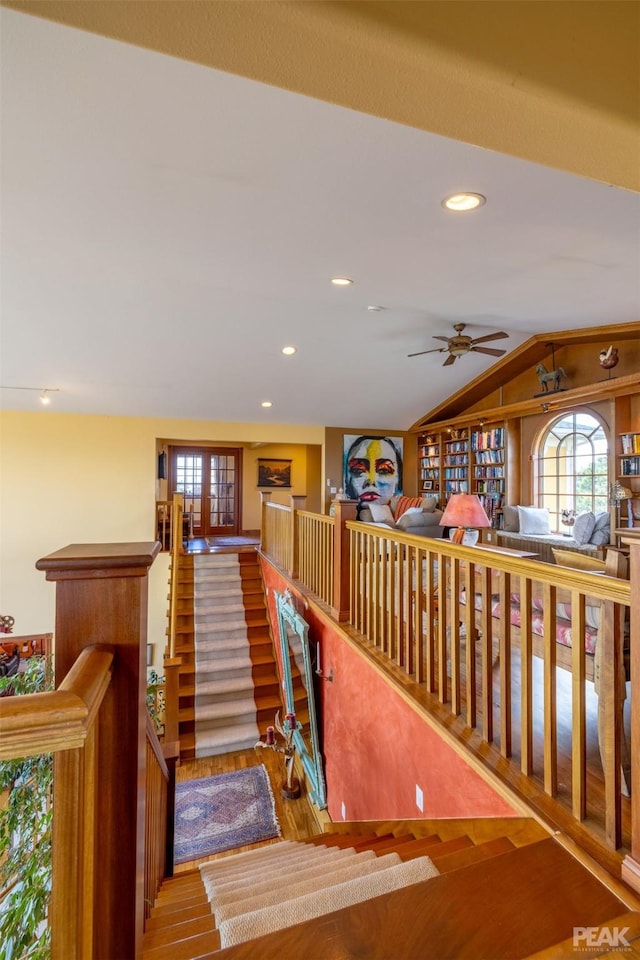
(167, 228)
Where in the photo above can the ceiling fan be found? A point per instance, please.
(459, 344)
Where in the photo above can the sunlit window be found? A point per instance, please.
(572, 466)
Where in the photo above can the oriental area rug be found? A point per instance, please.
(223, 812)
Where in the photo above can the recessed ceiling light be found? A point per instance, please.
(462, 202)
(288, 351)
(341, 281)
(374, 308)
(266, 403)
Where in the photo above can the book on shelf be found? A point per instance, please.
(630, 466)
(630, 443)
(488, 439)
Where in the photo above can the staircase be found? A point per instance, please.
(237, 693)
(442, 898)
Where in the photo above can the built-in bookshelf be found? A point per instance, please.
(488, 479)
(630, 457)
(629, 477)
(455, 463)
(465, 461)
(429, 458)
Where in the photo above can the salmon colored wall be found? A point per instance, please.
(376, 747)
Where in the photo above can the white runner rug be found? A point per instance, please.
(225, 710)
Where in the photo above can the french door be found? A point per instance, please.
(209, 478)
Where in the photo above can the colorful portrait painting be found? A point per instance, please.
(372, 467)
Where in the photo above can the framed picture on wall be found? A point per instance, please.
(274, 473)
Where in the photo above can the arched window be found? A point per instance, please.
(572, 462)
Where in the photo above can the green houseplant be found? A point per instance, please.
(25, 836)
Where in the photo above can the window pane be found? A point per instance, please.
(573, 466)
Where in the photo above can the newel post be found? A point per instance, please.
(631, 863)
(98, 851)
(344, 510)
(298, 502)
(265, 497)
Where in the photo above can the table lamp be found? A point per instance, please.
(618, 493)
(465, 512)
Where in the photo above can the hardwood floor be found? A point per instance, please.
(296, 817)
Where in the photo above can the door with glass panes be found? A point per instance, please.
(209, 479)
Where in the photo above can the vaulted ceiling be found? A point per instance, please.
(168, 225)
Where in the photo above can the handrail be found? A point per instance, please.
(176, 548)
(59, 719)
(158, 783)
(407, 597)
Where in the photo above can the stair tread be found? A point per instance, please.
(171, 906)
(468, 855)
(200, 945)
(179, 916)
(177, 932)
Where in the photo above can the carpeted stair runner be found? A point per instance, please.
(249, 899)
(225, 710)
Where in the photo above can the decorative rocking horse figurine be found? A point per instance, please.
(550, 376)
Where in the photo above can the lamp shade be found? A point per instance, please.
(464, 511)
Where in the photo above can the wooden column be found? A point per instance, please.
(101, 597)
(631, 863)
(298, 502)
(344, 510)
(265, 496)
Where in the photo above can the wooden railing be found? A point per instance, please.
(410, 597)
(160, 784)
(65, 722)
(98, 731)
(496, 680)
(277, 534)
(315, 553)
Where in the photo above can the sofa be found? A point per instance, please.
(528, 528)
(417, 516)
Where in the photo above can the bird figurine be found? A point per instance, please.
(609, 358)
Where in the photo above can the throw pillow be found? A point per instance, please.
(381, 512)
(602, 529)
(533, 521)
(428, 504)
(578, 561)
(511, 521)
(403, 504)
(583, 527)
(413, 517)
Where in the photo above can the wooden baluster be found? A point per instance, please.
(631, 863)
(344, 510)
(504, 580)
(578, 707)
(298, 502)
(101, 597)
(549, 688)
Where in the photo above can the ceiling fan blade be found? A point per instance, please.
(450, 359)
(446, 339)
(435, 350)
(491, 336)
(489, 351)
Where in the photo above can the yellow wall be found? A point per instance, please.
(74, 479)
(306, 473)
